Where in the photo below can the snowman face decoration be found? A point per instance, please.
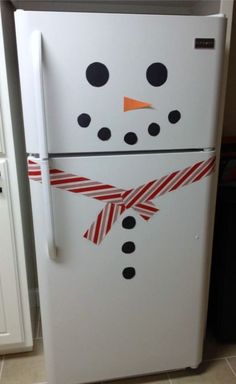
(97, 75)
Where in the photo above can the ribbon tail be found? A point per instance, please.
(146, 209)
(104, 222)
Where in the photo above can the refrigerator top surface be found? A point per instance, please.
(115, 82)
(167, 7)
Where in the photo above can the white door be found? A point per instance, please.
(127, 293)
(116, 82)
(11, 330)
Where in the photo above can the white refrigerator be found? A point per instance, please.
(121, 125)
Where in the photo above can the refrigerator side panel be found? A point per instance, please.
(127, 295)
(123, 82)
(26, 84)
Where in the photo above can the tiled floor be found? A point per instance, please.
(218, 367)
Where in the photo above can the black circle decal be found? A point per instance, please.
(153, 129)
(104, 134)
(129, 222)
(128, 273)
(174, 116)
(128, 247)
(97, 74)
(84, 120)
(131, 138)
(157, 74)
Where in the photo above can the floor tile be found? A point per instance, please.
(28, 368)
(214, 349)
(212, 372)
(45, 382)
(162, 378)
(232, 362)
(1, 367)
(25, 368)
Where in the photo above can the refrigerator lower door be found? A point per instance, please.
(127, 293)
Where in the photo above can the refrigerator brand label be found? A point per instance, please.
(118, 200)
(204, 43)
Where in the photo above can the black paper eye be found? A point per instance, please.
(97, 74)
(157, 74)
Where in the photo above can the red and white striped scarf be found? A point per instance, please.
(118, 200)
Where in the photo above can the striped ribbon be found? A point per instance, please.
(118, 200)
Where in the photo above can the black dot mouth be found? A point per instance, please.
(154, 129)
(104, 134)
(84, 120)
(130, 138)
(174, 116)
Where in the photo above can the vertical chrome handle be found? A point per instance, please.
(36, 49)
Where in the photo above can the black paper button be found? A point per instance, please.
(128, 247)
(129, 222)
(129, 273)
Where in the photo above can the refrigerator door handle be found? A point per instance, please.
(36, 50)
(48, 211)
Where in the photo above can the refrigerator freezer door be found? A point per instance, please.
(119, 82)
(126, 295)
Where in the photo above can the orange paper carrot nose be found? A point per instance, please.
(130, 104)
